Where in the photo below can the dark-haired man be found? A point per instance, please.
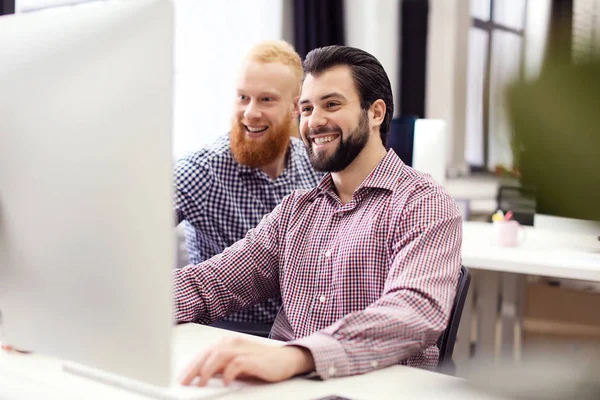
(367, 262)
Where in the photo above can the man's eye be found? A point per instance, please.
(306, 109)
(242, 97)
(332, 104)
(267, 99)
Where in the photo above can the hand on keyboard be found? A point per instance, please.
(241, 358)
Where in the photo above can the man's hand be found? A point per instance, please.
(6, 347)
(242, 358)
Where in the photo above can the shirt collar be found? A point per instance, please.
(383, 176)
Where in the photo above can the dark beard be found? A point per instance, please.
(346, 151)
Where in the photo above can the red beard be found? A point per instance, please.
(265, 150)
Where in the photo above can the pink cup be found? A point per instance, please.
(508, 233)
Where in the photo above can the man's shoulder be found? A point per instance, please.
(414, 186)
(297, 144)
(300, 198)
(214, 155)
(299, 150)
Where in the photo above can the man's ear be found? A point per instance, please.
(377, 111)
(296, 107)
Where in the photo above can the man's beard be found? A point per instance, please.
(262, 151)
(346, 151)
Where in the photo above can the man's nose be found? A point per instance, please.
(316, 120)
(252, 111)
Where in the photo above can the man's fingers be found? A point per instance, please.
(239, 366)
(193, 369)
(214, 363)
(6, 347)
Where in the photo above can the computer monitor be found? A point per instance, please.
(86, 222)
(421, 144)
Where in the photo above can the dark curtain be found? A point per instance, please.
(7, 7)
(414, 16)
(560, 34)
(318, 23)
(413, 53)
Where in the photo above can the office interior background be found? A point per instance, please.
(452, 60)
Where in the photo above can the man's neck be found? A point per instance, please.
(353, 175)
(275, 168)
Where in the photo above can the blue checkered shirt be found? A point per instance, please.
(221, 200)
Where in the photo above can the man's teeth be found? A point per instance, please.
(256, 130)
(324, 139)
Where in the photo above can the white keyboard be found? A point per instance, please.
(214, 389)
(15, 386)
(18, 386)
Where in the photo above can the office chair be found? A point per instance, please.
(521, 200)
(446, 341)
(250, 328)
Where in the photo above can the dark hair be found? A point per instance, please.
(369, 76)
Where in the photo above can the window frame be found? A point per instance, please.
(489, 26)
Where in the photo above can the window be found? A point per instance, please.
(586, 29)
(495, 60)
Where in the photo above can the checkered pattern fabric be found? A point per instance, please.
(365, 285)
(221, 200)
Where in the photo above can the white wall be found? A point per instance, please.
(374, 26)
(211, 39)
(446, 93)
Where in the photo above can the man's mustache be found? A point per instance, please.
(322, 130)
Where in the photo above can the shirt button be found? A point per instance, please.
(328, 254)
(322, 299)
(374, 364)
(332, 371)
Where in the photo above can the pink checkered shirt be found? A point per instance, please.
(365, 285)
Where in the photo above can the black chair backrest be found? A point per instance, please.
(401, 138)
(520, 200)
(446, 341)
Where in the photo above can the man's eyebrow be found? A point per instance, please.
(267, 93)
(333, 94)
(325, 97)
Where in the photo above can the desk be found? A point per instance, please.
(393, 382)
(542, 253)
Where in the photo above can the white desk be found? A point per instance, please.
(542, 253)
(393, 382)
